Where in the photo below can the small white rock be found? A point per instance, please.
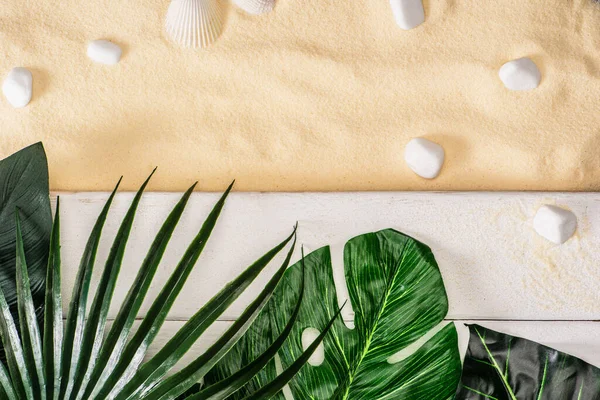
(555, 224)
(408, 13)
(104, 52)
(520, 74)
(18, 87)
(424, 157)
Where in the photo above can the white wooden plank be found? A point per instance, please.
(581, 339)
(493, 263)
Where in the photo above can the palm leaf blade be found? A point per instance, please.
(74, 326)
(96, 319)
(172, 387)
(53, 322)
(222, 389)
(272, 388)
(119, 332)
(30, 332)
(135, 349)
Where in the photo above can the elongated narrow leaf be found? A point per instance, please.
(119, 332)
(76, 317)
(6, 388)
(500, 366)
(153, 370)
(15, 358)
(222, 389)
(398, 296)
(96, 320)
(53, 315)
(275, 386)
(31, 339)
(134, 351)
(24, 184)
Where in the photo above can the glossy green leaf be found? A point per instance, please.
(135, 350)
(31, 338)
(24, 184)
(277, 384)
(222, 389)
(53, 315)
(121, 327)
(173, 386)
(93, 334)
(503, 367)
(398, 296)
(74, 325)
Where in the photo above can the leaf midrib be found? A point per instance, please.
(366, 349)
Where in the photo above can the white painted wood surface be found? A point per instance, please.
(496, 269)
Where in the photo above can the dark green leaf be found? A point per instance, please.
(504, 367)
(96, 320)
(275, 386)
(31, 339)
(173, 386)
(134, 351)
(76, 317)
(119, 332)
(398, 296)
(225, 387)
(24, 184)
(53, 320)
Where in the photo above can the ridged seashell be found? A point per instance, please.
(255, 7)
(194, 23)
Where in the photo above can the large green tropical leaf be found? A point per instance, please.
(504, 367)
(24, 184)
(397, 293)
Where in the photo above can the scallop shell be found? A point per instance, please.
(194, 23)
(255, 7)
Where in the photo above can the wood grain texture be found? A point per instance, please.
(494, 265)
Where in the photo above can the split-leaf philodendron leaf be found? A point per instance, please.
(24, 185)
(503, 367)
(398, 296)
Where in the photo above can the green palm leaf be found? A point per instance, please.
(80, 363)
(398, 296)
(504, 367)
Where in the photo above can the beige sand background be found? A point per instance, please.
(318, 95)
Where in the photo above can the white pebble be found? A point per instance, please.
(104, 52)
(555, 224)
(18, 87)
(424, 157)
(521, 74)
(408, 13)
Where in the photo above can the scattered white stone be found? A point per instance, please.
(555, 224)
(520, 74)
(309, 335)
(18, 87)
(408, 13)
(104, 52)
(424, 157)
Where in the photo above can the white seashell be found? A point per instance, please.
(194, 23)
(255, 7)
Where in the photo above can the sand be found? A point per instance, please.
(318, 95)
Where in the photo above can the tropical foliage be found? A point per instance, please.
(398, 296)
(77, 362)
(504, 367)
(24, 184)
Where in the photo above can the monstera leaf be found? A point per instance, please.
(398, 296)
(24, 185)
(503, 367)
